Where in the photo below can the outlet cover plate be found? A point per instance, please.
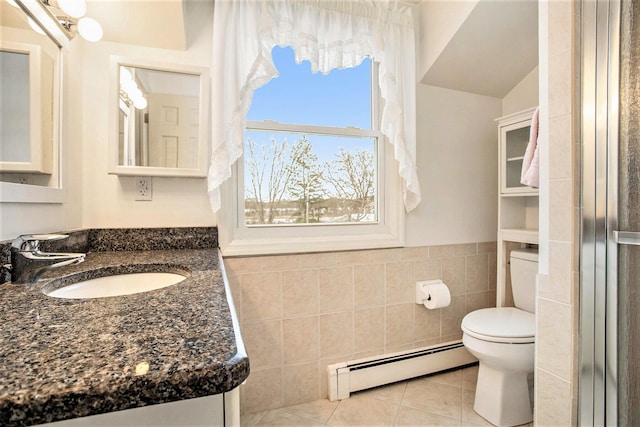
(143, 188)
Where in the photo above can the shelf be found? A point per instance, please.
(518, 204)
(523, 235)
(531, 192)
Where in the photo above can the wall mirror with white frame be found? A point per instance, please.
(30, 62)
(159, 117)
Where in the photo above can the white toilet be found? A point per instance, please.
(503, 341)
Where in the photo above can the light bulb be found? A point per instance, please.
(35, 27)
(136, 94)
(125, 76)
(73, 8)
(130, 87)
(90, 29)
(140, 103)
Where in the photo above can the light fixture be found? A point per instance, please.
(125, 75)
(140, 104)
(130, 93)
(73, 8)
(90, 29)
(70, 14)
(35, 27)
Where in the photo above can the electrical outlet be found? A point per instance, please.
(23, 180)
(143, 188)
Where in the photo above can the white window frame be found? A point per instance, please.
(237, 239)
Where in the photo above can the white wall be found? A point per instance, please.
(457, 157)
(524, 95)
(108, 200)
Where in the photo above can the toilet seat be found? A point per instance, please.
(501, 325)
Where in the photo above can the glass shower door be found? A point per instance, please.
(628, 239)
(609, 383)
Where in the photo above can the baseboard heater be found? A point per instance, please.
(355, 375)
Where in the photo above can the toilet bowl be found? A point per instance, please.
(502, 339)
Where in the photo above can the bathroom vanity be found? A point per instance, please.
(168, 356)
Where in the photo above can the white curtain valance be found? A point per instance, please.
(330, 34)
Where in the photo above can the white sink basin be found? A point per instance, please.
(117, 285)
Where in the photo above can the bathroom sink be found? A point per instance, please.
(116, 285)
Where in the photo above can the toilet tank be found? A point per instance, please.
(524, 268)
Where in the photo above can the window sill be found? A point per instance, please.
(291, 245)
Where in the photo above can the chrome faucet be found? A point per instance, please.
(29, 262)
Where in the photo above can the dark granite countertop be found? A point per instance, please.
(63, 358)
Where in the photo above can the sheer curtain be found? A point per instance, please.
(330, 34)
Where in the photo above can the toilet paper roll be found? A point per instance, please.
(439, 295)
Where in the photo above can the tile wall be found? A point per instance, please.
(300, 313)
(557, 316)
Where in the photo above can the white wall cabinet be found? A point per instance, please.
(517, 203)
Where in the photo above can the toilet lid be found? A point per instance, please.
(501, 324)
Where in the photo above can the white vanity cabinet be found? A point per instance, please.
(220, 410)
(517, 203)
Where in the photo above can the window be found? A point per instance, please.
(315, 166)
(310, 147)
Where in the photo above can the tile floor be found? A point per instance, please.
(444, 399)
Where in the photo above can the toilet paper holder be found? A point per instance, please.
(432, 294)
(422, 294)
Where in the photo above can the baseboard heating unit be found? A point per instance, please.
(355, 375)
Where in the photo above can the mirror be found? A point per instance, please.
(26, 108)
(160, 119)
(30, 69)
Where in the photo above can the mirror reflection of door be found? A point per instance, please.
(163, 130)
(173, 131)
(123, 135)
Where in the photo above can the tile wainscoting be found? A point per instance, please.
(300, 313)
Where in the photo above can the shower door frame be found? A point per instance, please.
(600, 69)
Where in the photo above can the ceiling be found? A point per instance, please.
(494, 49)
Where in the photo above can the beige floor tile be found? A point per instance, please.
(452, 378)
(279, 417)
(435, 398)
(318, 410)
(364, 411)
(468, 414)
(247, 420)
(391, 393)
(470, 377)
(414, 417)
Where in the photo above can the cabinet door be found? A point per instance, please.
(514, 139)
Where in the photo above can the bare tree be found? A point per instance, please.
(352, 176)
(269, 174)
(306, 184)
(287, 181)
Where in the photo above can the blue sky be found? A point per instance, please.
(339, 99)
